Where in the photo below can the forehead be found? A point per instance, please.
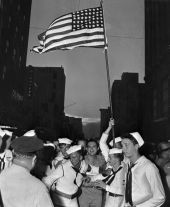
(126, 141)
(74, 154)
(92, 144)
(62, 145)
(111, 156)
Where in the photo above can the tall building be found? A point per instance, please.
(44, 96)
(126, 102)
(14, 32)
(157, 73)
(104, 119)
(72, 128)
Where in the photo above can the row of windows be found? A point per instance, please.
(1, 4)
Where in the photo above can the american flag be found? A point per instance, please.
(84, 28)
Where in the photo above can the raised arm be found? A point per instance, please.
(103, 145)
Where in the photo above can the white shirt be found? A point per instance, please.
(64, 177)
(117, 186)
(147, 188)
(7, 157)
(59, 159)
(103, 146)
(19, 188)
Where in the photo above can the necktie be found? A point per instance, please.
(77, 171)
(128, 191)
(2, 163)
(109, 179)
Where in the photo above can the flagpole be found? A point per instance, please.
(108, 73)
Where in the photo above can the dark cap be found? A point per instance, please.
(25, 144)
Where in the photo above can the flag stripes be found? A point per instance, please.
(83, 28)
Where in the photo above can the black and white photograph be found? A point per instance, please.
(85, 103)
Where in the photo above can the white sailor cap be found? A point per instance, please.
(115, 151)
(9, 133)
(117, 139)
(74, 148)
(49, 144)
(30, 133)
(138, 138)
(2, 133)
(64, 141)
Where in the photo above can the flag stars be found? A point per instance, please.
(88, 18)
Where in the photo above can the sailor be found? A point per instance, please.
(18, 187)
(105, 148)
(64, 145)
(65, 181)
(143, 182)
(5, 153)
(113, 184)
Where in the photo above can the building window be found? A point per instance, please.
(7, 46)
(155, 104)
(1, 4)
(18, 7)
(4, 72)
(22, 38)
(9, 21)
(7, 43)
(14, 53)
(165, 97)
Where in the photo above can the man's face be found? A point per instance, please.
(128, 147)
(92, 148)
(165, 151)
(75, 158)
(113, 160)
(64, 148)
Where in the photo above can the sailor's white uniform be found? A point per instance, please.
(65, 182)
(147, 189)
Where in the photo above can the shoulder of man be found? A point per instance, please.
(38, 183)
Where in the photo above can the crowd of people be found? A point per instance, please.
(85, 173)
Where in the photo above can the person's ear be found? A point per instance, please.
(137, 147)
(34, 160)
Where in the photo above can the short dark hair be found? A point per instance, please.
(119, 156)
(130, 137)
(62, 144)
(27, 155)
(93, 140)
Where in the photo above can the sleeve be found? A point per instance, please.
(79, 179)
(96, 177)
(44, 199)
(8, 158)
(94, 170)
(156, 187)
(103, 146)
(50, 179)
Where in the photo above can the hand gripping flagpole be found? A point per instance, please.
(108, 73)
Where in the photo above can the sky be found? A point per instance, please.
(86, 88)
